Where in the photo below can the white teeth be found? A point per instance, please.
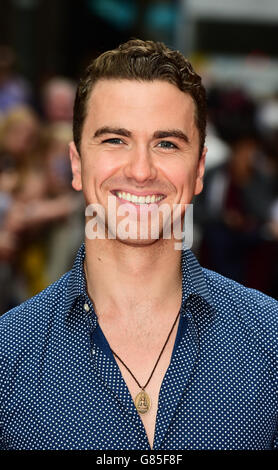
(138, 199)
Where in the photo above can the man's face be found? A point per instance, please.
(139, 139)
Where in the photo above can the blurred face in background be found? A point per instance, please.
(20, 133)
(58, 100)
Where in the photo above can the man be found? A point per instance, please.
(138, 347)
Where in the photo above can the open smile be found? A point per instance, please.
(139, 199)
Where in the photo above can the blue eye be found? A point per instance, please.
(167, 145)
(113, 140)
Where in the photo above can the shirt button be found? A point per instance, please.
(86, 307)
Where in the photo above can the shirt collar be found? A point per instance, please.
(193, 279)
(76, 286)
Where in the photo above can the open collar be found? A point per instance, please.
(193, 279)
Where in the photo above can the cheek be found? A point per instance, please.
(180, 175)
(96, 171)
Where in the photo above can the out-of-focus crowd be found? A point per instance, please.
(42, 218)
(236, 215)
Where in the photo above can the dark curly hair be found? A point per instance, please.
(144, 61)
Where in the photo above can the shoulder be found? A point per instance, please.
(235, 302)
(32, 317)
(26, 330)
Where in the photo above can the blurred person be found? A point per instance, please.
(66, 234)
(9, 297)
(35, 201)
(19, 131)
(138, 347)
(57, 99)
(270, 151)
(57, 164)
(14, 90)
(235, 204)
(232, 213)
(44, 204)
(19, 137)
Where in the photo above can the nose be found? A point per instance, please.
(140, 166)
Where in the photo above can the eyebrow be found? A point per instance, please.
(171, 133)
(177, 133)
(112, 130)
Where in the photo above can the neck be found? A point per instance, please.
(126, 281)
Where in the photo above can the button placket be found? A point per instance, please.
(92, 323)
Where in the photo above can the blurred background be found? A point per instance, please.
(45, 45)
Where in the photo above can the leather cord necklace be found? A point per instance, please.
(142, 400)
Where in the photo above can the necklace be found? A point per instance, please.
(142, 400)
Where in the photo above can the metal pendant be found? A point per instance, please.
(142, 402)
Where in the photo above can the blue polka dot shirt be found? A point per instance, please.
(61, 388)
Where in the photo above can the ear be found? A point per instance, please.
(200, 172)
(75, 167)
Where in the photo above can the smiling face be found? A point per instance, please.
(139, 144)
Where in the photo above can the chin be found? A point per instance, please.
(138, 243)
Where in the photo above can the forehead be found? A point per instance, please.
(139, 102)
